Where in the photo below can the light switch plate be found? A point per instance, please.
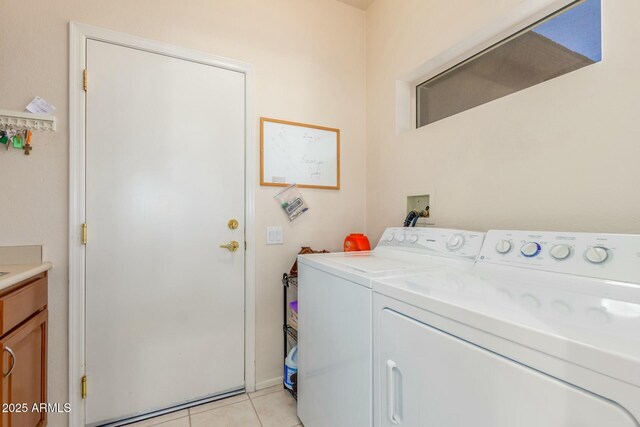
(275, 236)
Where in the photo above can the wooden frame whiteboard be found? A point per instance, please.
(299, 153)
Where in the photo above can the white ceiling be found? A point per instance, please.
(360, 4)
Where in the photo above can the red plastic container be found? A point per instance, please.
(356, 242)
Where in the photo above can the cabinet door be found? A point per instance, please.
(430, 378)
(24, 362)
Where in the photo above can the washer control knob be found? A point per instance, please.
(400, 237)
(503, 246)
(560, 252)
(455, 242)
(597, 254)
(530, 249)
(414, 238)
(389, 237)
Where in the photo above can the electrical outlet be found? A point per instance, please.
(275, 236)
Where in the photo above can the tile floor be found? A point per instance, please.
(270, 407)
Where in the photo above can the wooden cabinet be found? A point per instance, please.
(23, 325)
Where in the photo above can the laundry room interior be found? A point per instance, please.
(329, 213)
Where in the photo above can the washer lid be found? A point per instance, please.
(363, 267)
(372, 264)
(590, 322)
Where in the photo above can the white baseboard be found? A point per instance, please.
(269, 383)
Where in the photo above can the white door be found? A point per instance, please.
(430, 378)
(165, 141)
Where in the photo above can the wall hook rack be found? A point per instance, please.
(27, 121)
(16, 128)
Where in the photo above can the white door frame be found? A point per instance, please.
(79, 34)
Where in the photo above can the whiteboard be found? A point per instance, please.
(297, 153)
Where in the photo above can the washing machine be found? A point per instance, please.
(335, 323)
(543, 331)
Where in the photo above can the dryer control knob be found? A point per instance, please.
(414, 238)
(560, 252)
(503, 246)
(597, 254)
(455, 242)
(400, 237)
(388, 238)
(530, 249)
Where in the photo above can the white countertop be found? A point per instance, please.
(20, 272)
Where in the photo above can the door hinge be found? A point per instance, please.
(84, 234)
(84, 80)
(84, 387)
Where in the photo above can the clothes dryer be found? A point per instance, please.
(543, 331)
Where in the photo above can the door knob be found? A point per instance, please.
(232, 246)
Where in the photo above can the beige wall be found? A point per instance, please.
(309, 57)
(562, 155)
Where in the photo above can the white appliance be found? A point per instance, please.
(543, 331)
(334, 314)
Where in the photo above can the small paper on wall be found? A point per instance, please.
(40, 106)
